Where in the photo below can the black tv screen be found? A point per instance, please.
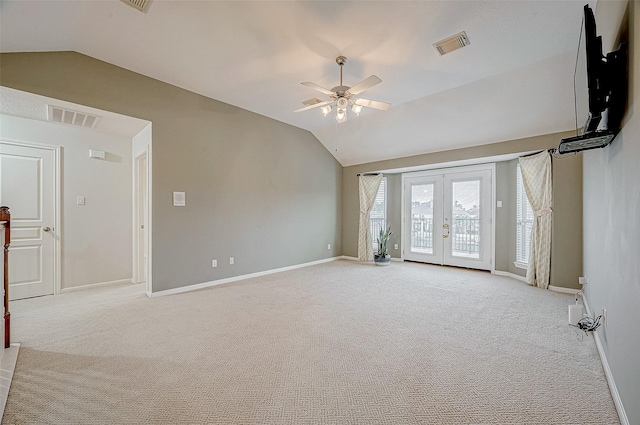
(607, 91)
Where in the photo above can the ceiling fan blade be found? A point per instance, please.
(365, 84)
(318, 88)
(315, 105)
(373, 104)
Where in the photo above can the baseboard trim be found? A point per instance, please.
(203, 285)
(563, 290)
(94, 285)
(346, 257)
(615, 395)
(511, 275)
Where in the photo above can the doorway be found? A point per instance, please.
(447, 216)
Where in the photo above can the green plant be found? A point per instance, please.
(383, 240)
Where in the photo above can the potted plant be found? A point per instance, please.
(382, 257)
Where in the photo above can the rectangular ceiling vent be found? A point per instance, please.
(452, 43)
(312, 101)
(141, 5)
(67, 116)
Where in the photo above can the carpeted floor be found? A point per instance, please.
(337, 343)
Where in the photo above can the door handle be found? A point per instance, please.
(445, 227)
(46, 229)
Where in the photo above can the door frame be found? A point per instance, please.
(136, 278)
(57, 166)
(462, 169)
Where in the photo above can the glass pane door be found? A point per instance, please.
(423, 208)
(447, 217)
(468, 214)
(465, 219)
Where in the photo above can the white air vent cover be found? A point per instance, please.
(67, 116)
(452, 43)
(141, 5)
(312, 101)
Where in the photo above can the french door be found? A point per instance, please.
(447, 217)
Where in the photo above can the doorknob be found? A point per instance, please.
(445, 227)
(46, 229)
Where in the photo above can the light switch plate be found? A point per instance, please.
(179, 199)
(80, 200)
(499, 204)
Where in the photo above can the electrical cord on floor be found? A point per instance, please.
(587, 324)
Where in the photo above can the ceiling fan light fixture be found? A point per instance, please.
(341, 115)
(356, 108)
(326, 109)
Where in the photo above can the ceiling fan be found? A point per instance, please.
(343, 97)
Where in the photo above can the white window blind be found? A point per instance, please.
(378, 214)
(524, 221)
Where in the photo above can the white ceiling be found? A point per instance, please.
(514, 80)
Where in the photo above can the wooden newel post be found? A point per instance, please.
(5, 219)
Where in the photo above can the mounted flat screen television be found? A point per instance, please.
(607, 90)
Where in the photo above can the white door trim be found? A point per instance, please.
(136, 216)
(57, 267)
(462, 169)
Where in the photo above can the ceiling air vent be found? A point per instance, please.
(67, 116)
(312, 101)
(452, 43)
(141, 5)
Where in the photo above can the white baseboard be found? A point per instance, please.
(563, 290)
(560, 289)
(617, 401)
(511, 275)
(346, 257)
(94, 285)
(203, 285)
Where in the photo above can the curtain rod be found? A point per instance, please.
(368, 174)
(550, 150)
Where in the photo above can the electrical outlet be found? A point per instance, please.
(231, 260)
(396, 246)
(604, 316)
(582, 280)
(214, 263)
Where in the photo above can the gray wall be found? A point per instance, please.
(505, 218)
(566, 263)
(612, 228)
(259, 190)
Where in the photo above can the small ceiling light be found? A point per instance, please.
(356, 109)
(326, 109)
(341, 115)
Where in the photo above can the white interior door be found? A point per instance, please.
(27, 187)
(447, 217)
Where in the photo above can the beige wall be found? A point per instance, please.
(612, 220)
(258, 190)
(567, 232)
(95, 237)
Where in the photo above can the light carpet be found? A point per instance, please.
(337, 343)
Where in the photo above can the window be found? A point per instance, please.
(378, 214)
(524, 223)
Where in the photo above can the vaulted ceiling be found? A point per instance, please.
(514, 80)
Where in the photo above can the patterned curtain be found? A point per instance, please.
(368, 190)
(536, 179)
